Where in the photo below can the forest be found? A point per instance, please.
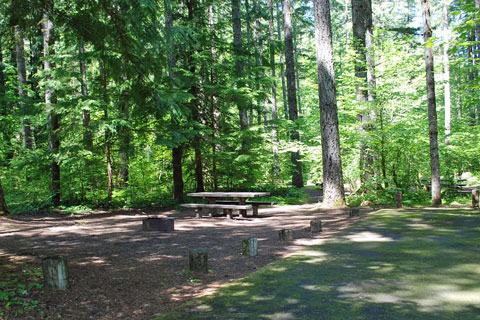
(132, 103)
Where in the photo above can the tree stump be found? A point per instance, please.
(354, 212)
(475, 198)
(398, 199)
(315, 225)
(250, 247)
(158, 224)
(55, 273)
(285, 235)
(198, 260)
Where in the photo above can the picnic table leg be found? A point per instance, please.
(228, 213)
(255, 210)
(243, 201)
(212, 212)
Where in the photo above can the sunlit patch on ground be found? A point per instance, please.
(367, 236)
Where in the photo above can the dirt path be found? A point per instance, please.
(118, 271)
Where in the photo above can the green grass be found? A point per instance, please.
(395, 264)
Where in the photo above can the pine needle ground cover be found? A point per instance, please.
(395, 264)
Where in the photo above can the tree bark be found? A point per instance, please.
(108, 147)
(432, 109)
(194, 105)
(363, 46)
(282, 68)
(3, 203)
(276, 165)
(177, 152)
(249, 58)
(446, 58)
(22, 84)
(297, 174)
(87, 130)
(214, 113)
(477, 54)
(53, 118)
(124, 139)
(239, 70)
(297, 72)
(333, 192)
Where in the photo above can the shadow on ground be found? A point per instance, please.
(118, 271)
(395, 264)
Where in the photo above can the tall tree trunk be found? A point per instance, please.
(333, 192)
(213, 107)
(108, 146)
(22, 84)
(276, 165)
(362, 37)
(297, 176)
(432, 108)
(177, 155)
(471, 74)
(87, 130)
(282, 68)
(53, 118)
(124, 139)
(177, 152)
(258, 53)
(194, 105)
(477, 53)
(3, 203)
(296, 50)
(446, 58)
(249, 58)
(239, 70)
(2, 76)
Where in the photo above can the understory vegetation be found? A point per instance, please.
(136, 103)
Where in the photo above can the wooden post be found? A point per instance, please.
(316, 225)
(354, 212)
(475, 198)
(398, 199)
(55, 273)
(285, 235)
(158, 224)
(250, 247)
(198, 260)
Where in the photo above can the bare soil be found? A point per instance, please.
(118, 271)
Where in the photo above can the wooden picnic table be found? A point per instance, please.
(242, 197)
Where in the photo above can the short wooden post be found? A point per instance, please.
(158, 224)
(354, 212)
(250, 247)
(198, 260)
(316, 225)
(398, 199)
(285, 235)
(475, 198)
(55, 273)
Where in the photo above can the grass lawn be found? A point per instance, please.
(394, 264)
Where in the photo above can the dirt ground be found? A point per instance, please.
(118, 271)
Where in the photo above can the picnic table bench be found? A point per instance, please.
(227, 208)
(254, 204)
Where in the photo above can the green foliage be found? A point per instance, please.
(140, 106)
(16, 292)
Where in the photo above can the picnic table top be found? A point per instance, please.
(228, 194)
